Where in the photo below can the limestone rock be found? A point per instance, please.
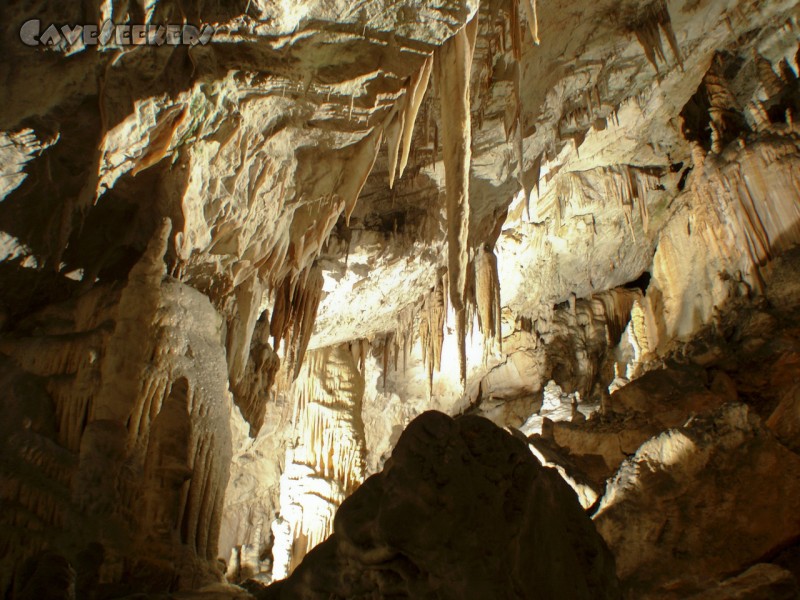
(760, 582)
(699, 502)
(667, 397)
(549, 456)
(461, 510)
(183, 229)
(600, 446)
(785, 420)
(133, 455)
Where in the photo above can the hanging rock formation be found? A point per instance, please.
(453, 69)
(233, 272)
(326, 463)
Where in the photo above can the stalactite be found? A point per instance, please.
(743, 189)
(240, 331)
(617, 305)
(355, 175)
(394, 133)
(630, 185)
(327, 463)
(431, 329)
(415, 94)
(648, 25)
(161, 139)
(388, 346)
(359, 349)
(400, 128)
(453, 68)
(487, 295)
(532, 15)
(516, 31)
(252, 393)
(294, 314)
(770, 81)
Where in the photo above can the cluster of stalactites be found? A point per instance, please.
(400, 128)
(294, 313)
(431, 328)
(359, 349)
(327, 414)
(650, 22)
(327, 461)
(629, 185)
(751, 205)
(453, 71)
(430, 315)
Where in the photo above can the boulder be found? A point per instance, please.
(462, 510)
(700, 502)
(760, 582)
(785, 420)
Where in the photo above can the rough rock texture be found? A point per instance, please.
(785, 421)
(326, 462)
(474, 198)
(461, 510)
(660, 399)
(698, 502)
(132, 478)
(549, 456)
(761, 582)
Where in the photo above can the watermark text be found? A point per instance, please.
(33, 33)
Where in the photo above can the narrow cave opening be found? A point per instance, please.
(641, 283)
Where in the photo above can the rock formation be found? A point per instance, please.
(697, 528)
(244, 245)
(461, 510)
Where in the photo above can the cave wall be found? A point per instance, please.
(233, 273)
(147, 449)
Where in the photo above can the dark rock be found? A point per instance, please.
(461, 510)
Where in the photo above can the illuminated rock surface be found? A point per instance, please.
(232, 274)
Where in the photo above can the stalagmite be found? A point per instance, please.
(453, 69)
(726, 121)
